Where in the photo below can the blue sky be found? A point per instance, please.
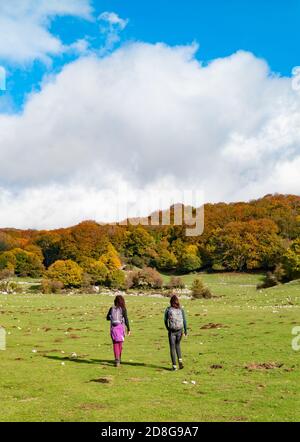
(145, 97)
(269, 29)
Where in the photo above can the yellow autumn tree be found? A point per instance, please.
(111, 259)
(68, 272)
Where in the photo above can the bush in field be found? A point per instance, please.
(67, 272)
(146, 278)
(27, 263)
(175, 283)
(51, 286)
(96, 270)
(117, 280)
(6, 274)
(137, 261)
(269, 280)
(10, 287)
(199, 290)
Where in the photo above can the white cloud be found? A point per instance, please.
(24, 26)
(142, 116)
(111, 26)
(113, 19)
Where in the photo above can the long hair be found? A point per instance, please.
(174, 301)
(120, 302)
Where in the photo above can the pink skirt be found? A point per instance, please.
(117, 333)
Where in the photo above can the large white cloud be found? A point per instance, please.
(24, 26)
(144, 115)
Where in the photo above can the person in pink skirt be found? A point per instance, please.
(117, 315)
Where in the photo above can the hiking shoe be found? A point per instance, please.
(181, 365)
(117, 364)
(174, 368)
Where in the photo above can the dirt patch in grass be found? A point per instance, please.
(103, 380)
(264, 366)
(240, 419)
(212, 325)
(135, 380)
(216, 366)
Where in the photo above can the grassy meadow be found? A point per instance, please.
(238, 355)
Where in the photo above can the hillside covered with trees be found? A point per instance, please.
(260, 235)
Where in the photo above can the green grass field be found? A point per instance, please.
(40, 382)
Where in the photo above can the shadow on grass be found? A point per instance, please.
(107, 362)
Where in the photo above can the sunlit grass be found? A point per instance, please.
(39, 381)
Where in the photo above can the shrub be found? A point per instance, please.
(6, 274)
(51, 286)
(218, 267)
(146, 278)
(117, 280)
(270, 280)
(199, 290)
(175, 283)
(10, 287)
(137, 261)
(67, 272)
(96, 270)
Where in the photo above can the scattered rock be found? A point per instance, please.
(216, 366)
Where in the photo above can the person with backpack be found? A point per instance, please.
(176, 324)
(117, 315)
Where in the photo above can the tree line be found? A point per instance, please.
(260, 235)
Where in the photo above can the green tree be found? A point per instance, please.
(189, 259)
(166, 260)
(291, 260)
(7, 261)
(27, 263)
